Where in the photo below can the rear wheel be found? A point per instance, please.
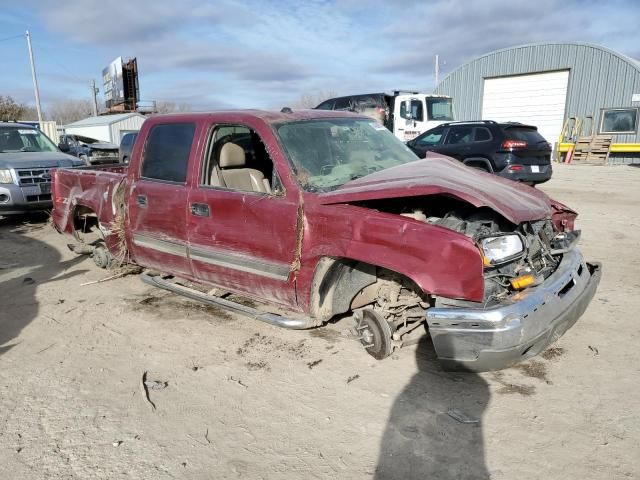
(101, 257)
(374, 333)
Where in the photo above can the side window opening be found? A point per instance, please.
(343, 103)
(237, 159)
(482, 134)
(412, 110)
(166, 153)
(430, 139)
(459, 135)
(326, 105)
(417, 111)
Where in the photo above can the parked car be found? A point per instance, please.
(406, 114)
(511, 150)
(314, 215)
(26, 156)
(126, 146)
(89, 149)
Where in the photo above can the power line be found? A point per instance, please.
(11, 38)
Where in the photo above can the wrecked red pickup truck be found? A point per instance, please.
(317, 215)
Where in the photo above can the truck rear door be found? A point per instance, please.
(241, 220)
(158, 198)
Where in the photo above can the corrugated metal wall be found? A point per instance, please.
(132, 123)
(598, 78)
(50, 129)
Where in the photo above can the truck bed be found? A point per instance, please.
(89, 187)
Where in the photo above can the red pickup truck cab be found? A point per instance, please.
(315, 215)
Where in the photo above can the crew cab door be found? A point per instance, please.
(242, 222)
(409, 117)
(158, 198)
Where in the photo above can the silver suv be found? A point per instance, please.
(26, 156)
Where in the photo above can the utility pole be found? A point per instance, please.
(33, 75)
(94, 104)
(437, 69)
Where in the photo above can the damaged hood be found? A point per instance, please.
(437, 174)
(101, 146)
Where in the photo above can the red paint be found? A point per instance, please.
(437, 174)
(263, 228)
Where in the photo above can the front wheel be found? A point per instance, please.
(374, 332)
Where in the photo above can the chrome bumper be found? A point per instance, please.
(479, 339)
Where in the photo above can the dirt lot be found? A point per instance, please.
(247, 400)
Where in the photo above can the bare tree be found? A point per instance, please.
(10, 109)
(30, 113)
(172, 107)
(312, 99)
(68, 111)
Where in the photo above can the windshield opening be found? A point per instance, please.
(440, 109)
(328, 153)
(16, 139)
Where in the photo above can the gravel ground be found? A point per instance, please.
(248, 400)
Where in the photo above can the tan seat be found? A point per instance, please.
(235, 176)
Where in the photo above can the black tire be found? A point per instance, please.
(375, 333)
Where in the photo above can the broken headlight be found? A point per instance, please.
(499, 249)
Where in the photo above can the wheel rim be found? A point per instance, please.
(374, 334)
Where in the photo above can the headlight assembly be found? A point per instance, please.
(499, 249)
(5, 176)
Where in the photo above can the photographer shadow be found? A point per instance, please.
(422, 439)
(25, 264)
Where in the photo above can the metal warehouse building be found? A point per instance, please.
(568, 90)
(107, 128)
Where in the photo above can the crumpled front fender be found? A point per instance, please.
(563, 217)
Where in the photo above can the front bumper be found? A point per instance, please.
(477, 339)
(16, 200)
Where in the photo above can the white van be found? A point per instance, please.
(406, 114)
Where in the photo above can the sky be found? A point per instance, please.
(261, 54)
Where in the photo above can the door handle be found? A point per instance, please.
(200, 209)
(141, 200)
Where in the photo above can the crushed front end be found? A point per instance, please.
(537, 285)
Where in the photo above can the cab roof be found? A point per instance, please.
(268, 116)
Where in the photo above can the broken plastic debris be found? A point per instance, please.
(156, 384)
(461, 417)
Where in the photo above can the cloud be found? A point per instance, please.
(269, 53)
(120, 23)
(459, 31)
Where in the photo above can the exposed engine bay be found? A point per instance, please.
(537, 246)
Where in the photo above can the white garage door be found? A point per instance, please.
(536, 99)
